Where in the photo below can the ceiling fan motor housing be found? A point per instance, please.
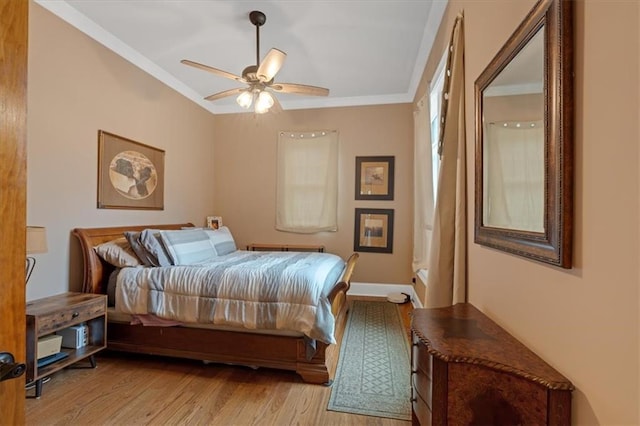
(249, 73)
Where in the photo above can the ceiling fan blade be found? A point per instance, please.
(213, 70)
(300, 89)
(271, 64)
(226, 93)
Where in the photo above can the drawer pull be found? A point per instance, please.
(75, 314)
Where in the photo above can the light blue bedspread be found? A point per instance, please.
(252, 290)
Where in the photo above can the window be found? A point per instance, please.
(307, 182)
(426, 167)
(435, 104)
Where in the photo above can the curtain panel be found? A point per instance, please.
(307, 181)
(446, 281)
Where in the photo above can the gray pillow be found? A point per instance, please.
(138, 248)
(151, 241)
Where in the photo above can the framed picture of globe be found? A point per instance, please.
(130, 174)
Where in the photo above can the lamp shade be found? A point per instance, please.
(245, 99)
(36, 239)
(264, 102)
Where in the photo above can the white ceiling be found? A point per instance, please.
(365, 52)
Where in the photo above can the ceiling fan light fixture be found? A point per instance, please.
(259, 77)
(245, 99)
(264, 102)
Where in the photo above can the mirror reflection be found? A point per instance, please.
(524, 139)
(514, 142)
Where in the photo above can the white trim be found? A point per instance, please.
(514, 89)
(382, 290)
(428, 37)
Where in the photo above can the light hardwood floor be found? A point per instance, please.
(128, 389)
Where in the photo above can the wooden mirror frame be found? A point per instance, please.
(554, 244)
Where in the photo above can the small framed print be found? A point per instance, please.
(374, 178)
(130, 174)
(214, 222)
(373, 230)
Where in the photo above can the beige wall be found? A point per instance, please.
(75, 87)
(245, 178)
(583, 321)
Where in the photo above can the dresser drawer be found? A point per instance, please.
(421, 411)
(64, 318)
(422, 359)
(422, 386)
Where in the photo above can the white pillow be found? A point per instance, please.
(118, 253)
(188, 247)
(222, 240)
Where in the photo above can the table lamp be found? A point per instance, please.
(36, 243)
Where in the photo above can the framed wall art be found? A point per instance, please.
(130, 174)
(373, 230)
(374, 178)
(214, 222)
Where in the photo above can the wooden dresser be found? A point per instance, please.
(467, 370)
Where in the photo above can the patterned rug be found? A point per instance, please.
(373, 374)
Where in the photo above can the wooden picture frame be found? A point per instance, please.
(130, 174)
(373, 230)
(374, 178)
(546, 38)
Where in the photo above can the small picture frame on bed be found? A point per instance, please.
(374, 178)
(214, 222)
(130, 174)
(373, 231)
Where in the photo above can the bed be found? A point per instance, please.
(278, 349)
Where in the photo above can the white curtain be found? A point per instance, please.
(307, 181)
(423, 185)
(514, 175)
(446, 283)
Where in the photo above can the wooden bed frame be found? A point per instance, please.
(235, 347)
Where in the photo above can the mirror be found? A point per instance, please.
(524, 140)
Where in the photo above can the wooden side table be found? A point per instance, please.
(51, 314)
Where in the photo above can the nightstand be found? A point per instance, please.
(51, 314)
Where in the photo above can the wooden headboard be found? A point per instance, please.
(96, 270)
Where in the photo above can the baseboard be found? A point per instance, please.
(382, 290)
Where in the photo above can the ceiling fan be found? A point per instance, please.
(259, 77)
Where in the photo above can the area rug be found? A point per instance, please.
(373, 374)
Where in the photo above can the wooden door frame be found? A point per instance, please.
(13, 188)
